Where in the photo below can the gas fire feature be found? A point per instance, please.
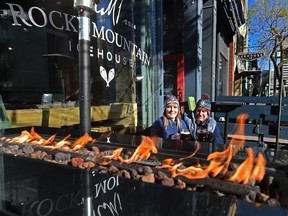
(48, 180)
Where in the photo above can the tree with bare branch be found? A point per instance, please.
(268, 23)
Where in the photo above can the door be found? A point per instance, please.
(174, 76)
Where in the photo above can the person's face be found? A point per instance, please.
(201, 114)
(171, 111)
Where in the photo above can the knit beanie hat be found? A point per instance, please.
(204, 102)
(170, 100)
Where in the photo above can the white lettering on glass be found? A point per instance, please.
(21, 17)
(121, 42)
(111, 8)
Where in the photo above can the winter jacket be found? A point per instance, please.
(157, 128)
(203, 131)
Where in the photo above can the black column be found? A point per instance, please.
(84, 71)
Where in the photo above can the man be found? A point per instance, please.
(202, 126)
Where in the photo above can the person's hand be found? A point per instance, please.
(175, 136)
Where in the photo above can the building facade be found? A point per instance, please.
(140, 52)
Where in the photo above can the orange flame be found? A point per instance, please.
(82, 141)
(62, 142)
(242, 174)
(194, 153)
(35, 138)
(252, 169)
(107, 159)
(191, 172)
(143, 151)
(236, 145)
(32, 137)
(25, 135)
(259, 170)
(245, 172)
(219, 162)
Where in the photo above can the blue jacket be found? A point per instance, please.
(210, 126)
(157, 128)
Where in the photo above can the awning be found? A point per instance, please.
(249, 73)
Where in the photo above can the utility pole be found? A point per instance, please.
(281, 86)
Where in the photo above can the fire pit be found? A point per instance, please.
(61, 173)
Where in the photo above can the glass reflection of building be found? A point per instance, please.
(39, 53)
(145, 50)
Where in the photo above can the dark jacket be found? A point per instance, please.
(203, 131)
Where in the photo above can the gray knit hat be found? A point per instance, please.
(204, 102)
(171, 100)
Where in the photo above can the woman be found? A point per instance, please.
(170, 124)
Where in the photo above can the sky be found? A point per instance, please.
(250, 2)
(251, 39)
(264, 64)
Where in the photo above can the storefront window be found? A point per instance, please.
(222, 77)
(39, 54)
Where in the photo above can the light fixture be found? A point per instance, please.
(139, 78)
